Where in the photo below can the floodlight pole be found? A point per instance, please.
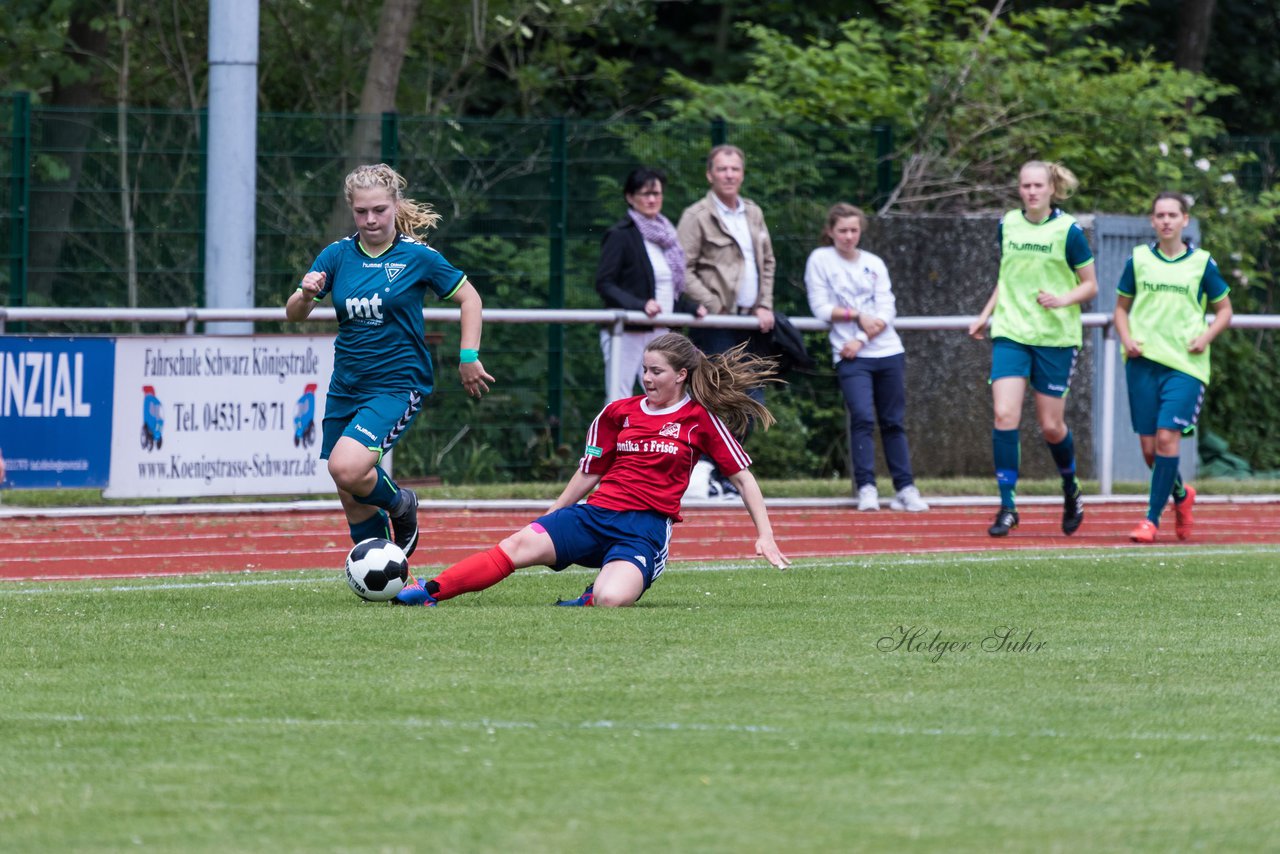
(231, 186)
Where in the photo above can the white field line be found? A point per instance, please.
(540, 505)
(482, 724)
(879, 561)
(492, 726)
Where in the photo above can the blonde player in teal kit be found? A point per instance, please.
(378, 278)
(1046, 273)
(1164, 292)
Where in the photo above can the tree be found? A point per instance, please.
(1195, 20)
(75, 64)
(381, 85)
(973, 93)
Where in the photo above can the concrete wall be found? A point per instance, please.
(947, 265)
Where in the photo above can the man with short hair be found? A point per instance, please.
(729, 267)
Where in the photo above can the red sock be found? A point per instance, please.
(477, 572)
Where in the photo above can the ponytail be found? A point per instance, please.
(720, 382)
(1063, 181)
(412, 218)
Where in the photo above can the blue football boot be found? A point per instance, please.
(414, 593)
(583, 601)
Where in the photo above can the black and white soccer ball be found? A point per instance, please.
(377, 569)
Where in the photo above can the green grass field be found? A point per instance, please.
(736, 709)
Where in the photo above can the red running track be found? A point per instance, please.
(142, 545)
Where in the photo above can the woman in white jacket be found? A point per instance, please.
(850, 288)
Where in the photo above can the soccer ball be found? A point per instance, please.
(377, 569)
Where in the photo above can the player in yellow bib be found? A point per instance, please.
(1161, 301)
(1046, 273)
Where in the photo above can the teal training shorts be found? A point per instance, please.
(1048, 368)
(376, 421)
(1161, 397)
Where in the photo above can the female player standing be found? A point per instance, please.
(639, 454)
(849, 287)
(1046, 273)
(377, 279)
(1160, 307)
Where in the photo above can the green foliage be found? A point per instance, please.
(1243, 400)
(973, 95)
(810, 434)
(34, 35)
(808, 89)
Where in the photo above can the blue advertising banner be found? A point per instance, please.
(55, 411)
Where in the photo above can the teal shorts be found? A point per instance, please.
(1048, 368)
(376, 421)
(1161, 398)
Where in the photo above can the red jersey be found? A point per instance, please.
(646, 455)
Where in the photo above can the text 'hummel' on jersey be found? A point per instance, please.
(1044, 248)
(1162, 288)
(365, 308)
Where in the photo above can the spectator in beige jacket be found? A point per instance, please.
(729, 269)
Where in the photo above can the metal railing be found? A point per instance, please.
(188, 318)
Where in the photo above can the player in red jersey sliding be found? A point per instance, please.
(639, 454)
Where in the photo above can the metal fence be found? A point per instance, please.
(512, 416)
(524, 202)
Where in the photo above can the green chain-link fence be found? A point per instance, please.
(524, 203)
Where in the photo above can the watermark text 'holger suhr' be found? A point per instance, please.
(932, 643)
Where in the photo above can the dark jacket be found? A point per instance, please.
(784, 344)
(624, 276)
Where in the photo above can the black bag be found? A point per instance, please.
(783, 343)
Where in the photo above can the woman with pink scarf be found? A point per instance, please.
(641, 269)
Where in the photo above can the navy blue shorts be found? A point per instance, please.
(376, 421)
(1048, 368)
(1161, 397)
(591, 536)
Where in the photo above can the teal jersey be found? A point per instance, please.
(380, 345)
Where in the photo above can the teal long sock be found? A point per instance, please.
(1064, 457)
(1179, 488)
(384, 492)
(1006, 450)
(1163, 474)
(376, 525)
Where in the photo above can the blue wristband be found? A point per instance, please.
(466, 355)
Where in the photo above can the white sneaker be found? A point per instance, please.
(699, 481)
(868, 497)
(908, 498)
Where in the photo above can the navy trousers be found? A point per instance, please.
(875, 392)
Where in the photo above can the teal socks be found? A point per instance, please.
(1064, 457)
(384, 492)
(1163, 475)
(1006, 450)
(377, 525)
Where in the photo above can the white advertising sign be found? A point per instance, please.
(211, 415)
